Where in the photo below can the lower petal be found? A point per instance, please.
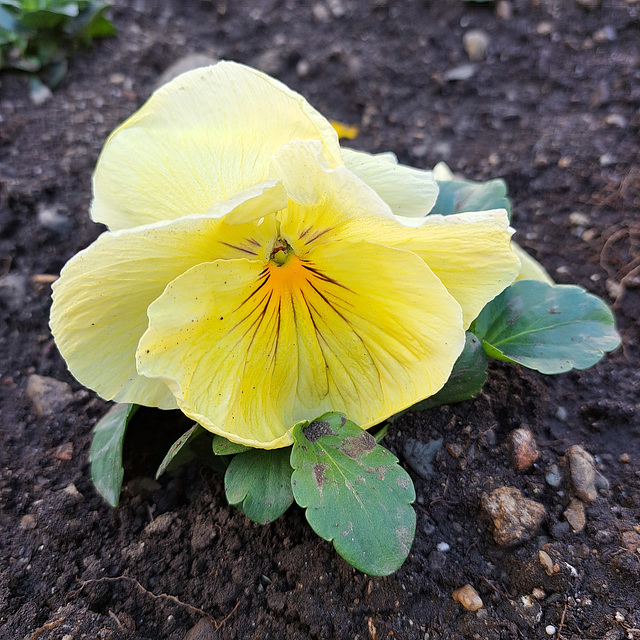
(225, 345)
(249, 348)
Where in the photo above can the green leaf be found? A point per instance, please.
(259, 482)
(181, 450)
(223, 447)
(105, 456)
(7, 21)
(550, 328)
(467, 377)
(355, 493)
(459, 196)
(91, 23)
(47, 19)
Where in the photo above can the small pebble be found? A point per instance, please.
(624, 458)
(504, 10)
(72, 491)
(443, 546)
(476, 44)
(320, 12)
(28, 522)
(50, 219)
(616, 120)
(49, 396)
(583, 473)
(553, 476)
(40, 94)
(544, 28)
(562, 414)
(468, 597)
(514, 517)
(462, 72)
(204, 630)
(631, 541)
(606, 34)
(575, 515)
(161, 524)
(13, 291)
(454, 450)
(303, 68)
(546, 562)
(607, 160)
(550, 630)
(524, 450)
(579, 219)
(337, 8)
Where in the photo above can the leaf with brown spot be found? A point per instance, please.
(355, 493)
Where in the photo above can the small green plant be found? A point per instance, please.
(288, 294)
(38, 36)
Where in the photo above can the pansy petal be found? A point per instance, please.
(408, 191)
(198, 140)
(530, 268)
(100, 301)
(311, 182)
(224, 343)
(388, 329)
(470, 252)
(249, 349)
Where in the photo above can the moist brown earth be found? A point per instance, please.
(554, 110)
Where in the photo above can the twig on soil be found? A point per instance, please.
(622, 275)
(504, 594)
(117, 620)
(564, 612)
(190, 607)
(46, 627)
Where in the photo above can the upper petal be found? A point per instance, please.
(100, 301)
(199, 139)
(408, 191)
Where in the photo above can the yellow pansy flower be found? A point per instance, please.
(255, 275)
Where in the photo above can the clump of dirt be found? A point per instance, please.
(553, 108)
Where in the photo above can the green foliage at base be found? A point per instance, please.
(105, 456)
(37, 36)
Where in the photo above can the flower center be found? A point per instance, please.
(280, 252)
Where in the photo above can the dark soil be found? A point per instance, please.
(554, 110)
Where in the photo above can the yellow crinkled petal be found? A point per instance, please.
(411, 193)
(100, 301)
(530, 268)
(329, 194)
(250, 349)
(470, 252)
(198, 140)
